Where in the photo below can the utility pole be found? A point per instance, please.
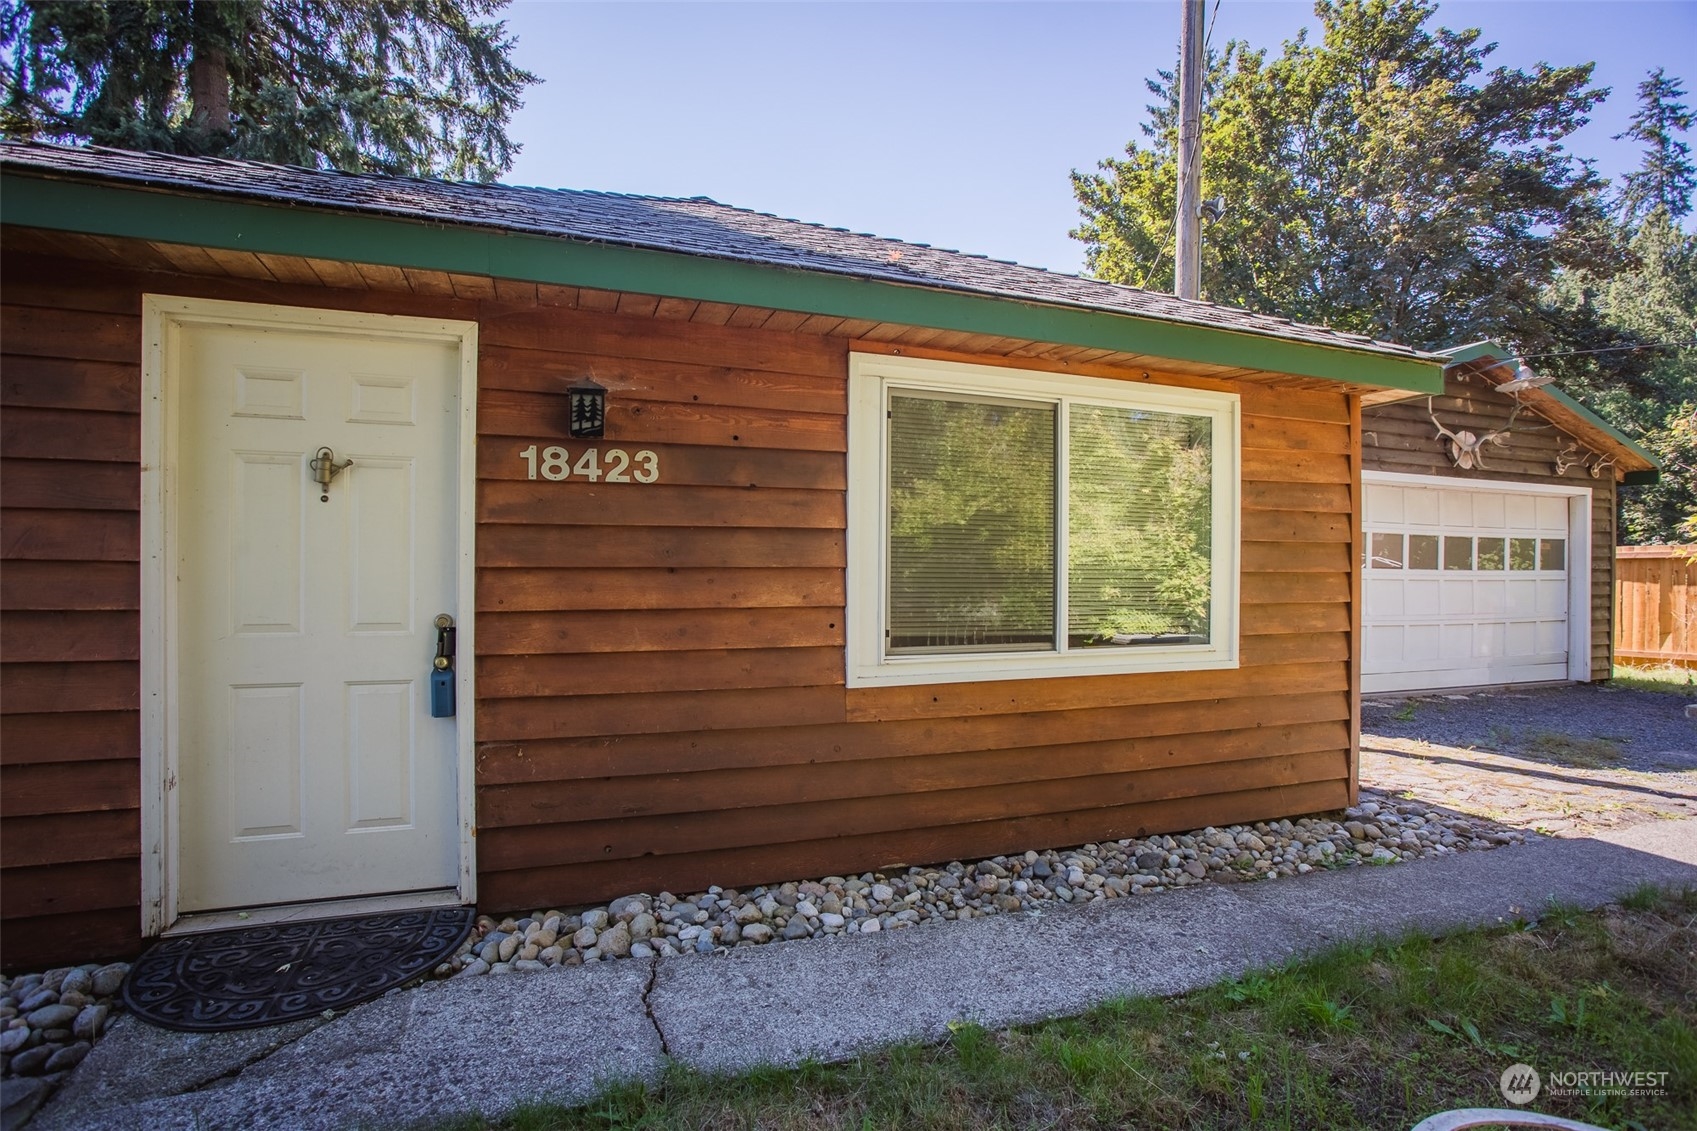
(1187, 258)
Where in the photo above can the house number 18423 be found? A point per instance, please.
(615, 465)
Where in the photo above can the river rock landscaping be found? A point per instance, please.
(1381, 830)
(48, 1023)
(51, 1020)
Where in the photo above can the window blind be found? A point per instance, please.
(1139, 526)
(972, 511)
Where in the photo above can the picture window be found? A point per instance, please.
(1012, 524)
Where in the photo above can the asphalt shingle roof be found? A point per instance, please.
(691, 226)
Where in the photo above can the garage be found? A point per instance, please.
(1472, 585)
(1488, 531)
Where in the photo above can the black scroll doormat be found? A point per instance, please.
(252, 976)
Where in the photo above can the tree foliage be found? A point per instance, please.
(1380, 181)
(1665, 178)
(1628, 327)
(1643, 321)
(406, 87)
(1383, 181)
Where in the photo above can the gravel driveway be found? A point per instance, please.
(1649, 728)
(1564, 761)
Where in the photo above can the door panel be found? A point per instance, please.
(309, 767)
(1473, 600)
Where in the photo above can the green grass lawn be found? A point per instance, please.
(1362, 1037)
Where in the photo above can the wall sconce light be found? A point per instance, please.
(588, 406)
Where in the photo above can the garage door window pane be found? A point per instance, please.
(1552, 553)
(1422, 551)
(1523, 553)
(1387, 551)
(972, 525)
(1458, 552)
(1491, 553)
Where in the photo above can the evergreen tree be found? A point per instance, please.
(407, 87)
(1380, 181)
(1665, 178)
(1643, 314)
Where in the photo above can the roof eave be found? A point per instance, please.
(1487, 355)
(168, 213)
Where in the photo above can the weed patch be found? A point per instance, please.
(1666, 679)
(1587, 753)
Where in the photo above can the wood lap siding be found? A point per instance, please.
(1400, 437)
(660, 667)
(70, 586)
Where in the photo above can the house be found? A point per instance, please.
(1490, 528)
(868, 553)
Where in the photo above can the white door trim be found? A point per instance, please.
(163, 319)
(1578, 548)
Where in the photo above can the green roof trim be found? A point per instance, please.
(1495, 351)
(278, 229)
(1590, 417)
(1475, 351)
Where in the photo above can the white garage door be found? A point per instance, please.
(1464, 587)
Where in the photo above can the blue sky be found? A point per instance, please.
(952, 124)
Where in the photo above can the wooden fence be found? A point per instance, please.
(1656, 606)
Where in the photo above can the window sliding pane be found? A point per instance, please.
(1139, 527)
(972, 525)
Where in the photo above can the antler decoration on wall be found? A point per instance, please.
(1464, 446)
(1568, 456)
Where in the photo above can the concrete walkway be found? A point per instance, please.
(486, 1044)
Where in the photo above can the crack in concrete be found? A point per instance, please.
(648, 1006)
(237, 1069)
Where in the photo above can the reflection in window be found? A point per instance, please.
(1552, 553)
(1522, 553)
(1387, 551)
(1491, 552)
(1422, 551)
(1139, 521)
(1458, 552)
(972, 525)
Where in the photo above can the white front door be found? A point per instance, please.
(309, 766)
(1465, 586)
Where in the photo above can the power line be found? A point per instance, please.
(1611, 349)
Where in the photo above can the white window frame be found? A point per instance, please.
(872, 377)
